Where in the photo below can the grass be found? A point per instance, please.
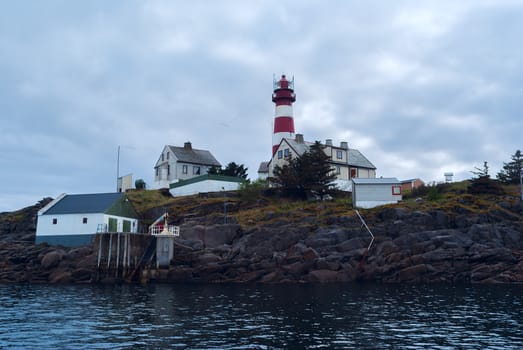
(451, 198)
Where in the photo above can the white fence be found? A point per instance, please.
(165, 230)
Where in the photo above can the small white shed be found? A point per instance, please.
(370, 193)
(205, 184)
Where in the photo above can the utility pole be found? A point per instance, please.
(118, 169)
(224, 206)
(521, 182)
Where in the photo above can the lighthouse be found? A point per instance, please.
(283, 97)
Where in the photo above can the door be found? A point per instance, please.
(126, 226)
(113, 224)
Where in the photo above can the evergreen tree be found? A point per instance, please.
(316, 171)
(140, 184)
(481, 172)
(482, 183)
(214, 170)
(232, 169)
(511, 172)
(287, 178)
(310, 173)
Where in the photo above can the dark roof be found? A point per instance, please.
(376, 181)
(356, 159)
(264, 167)
(84, 203)
(359, 160)
(194, 156)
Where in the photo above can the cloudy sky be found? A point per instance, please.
(419, 87)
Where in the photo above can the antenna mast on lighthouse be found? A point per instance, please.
(283, 97)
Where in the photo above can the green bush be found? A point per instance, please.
(252, 191)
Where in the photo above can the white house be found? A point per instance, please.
(347, 163)
(74, 220)
(182, 163)
(370, 193)
(205, 184)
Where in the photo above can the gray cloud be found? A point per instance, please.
(419, 88)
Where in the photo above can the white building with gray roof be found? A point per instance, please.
(347, 163)
(182, 163)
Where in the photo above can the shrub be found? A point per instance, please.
(252, 191)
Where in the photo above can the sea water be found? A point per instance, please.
(237, 316)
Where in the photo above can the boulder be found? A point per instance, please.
(390, 214)
(211, 236)
(52, 259)
(352, 244)
(326, 237)
(208, 258)
(60, 276)
(414, 273)
(81, 275)
(325, 276)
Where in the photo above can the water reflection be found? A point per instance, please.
(261, 317)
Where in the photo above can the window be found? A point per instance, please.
(55, 221)
(286, 153)
(184, 169)
(338, 170)
(162, 157)
(167, 155)
(280, 154)
(84, 220)
(196, 170)
(396, 190)
(168, 170)
(353, 173)
(339, 154)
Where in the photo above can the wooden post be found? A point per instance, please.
(110, 250)
(124, 259)
(100, 241)
(117, 253)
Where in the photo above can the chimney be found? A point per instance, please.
(328, 142)
(187, 146)
(299, 138)
(344, 145)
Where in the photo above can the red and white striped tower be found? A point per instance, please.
(283, 96)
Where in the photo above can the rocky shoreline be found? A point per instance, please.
(409, 247)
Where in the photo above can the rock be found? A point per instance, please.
(52, 259)
(60, 276)
(310, 254)
(390, 214)
(298, 268)
(208, 258)
(352, 244)
(414, 273)
(78, 253)
(326, 237)
(180, 274)
(271, 277)
(81, 275)
(324, 264)
(211, 236)
(325, 276)
(483, 272)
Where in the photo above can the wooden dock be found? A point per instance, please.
(121, 255)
